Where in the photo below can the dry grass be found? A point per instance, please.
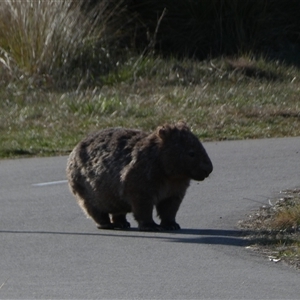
(287, 218)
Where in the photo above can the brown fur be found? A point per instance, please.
(116, 171)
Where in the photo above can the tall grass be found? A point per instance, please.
(48, 41)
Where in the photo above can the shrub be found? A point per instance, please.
(213, 27)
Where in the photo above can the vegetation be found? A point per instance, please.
(218, 100)
(71, 67)
(214, 27)
(275, 229)
(70, 44)
(51, 44)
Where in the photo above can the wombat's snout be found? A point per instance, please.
(206, 168)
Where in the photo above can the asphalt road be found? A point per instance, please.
(49, 249)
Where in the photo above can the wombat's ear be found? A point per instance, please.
(181, 125)
(163, 132)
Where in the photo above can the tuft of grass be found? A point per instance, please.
(275, 230)
(287, 215)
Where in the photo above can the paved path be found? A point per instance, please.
(48, 249)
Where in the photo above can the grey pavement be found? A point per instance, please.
(50, 250)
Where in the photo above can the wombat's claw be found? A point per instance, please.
(124, 225)
(149, 227)
(105, 226)
(171, 226)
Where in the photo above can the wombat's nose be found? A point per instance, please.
(207, 168)
(206, 173)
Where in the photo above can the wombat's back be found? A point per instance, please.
(95, 164)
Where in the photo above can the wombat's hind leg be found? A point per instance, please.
(119, 221)
(102, 219)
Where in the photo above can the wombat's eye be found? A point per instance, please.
(191, 153)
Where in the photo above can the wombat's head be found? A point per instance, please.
(182, 154)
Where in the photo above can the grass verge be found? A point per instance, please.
(230, 99)
(275, 229)
(221, 99)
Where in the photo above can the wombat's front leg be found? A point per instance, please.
(142, 210)
(167, 210)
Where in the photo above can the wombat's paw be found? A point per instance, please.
(106, 226)
(122, 225)
(170, 226)
(149, 227)
(119, 221)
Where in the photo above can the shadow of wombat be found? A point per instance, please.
(116, 171)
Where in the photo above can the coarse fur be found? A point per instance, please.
(116, 171)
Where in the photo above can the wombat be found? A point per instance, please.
(116, 171)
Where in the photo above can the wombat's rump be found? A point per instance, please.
(116, 171)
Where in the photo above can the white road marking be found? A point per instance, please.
(50, 183)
